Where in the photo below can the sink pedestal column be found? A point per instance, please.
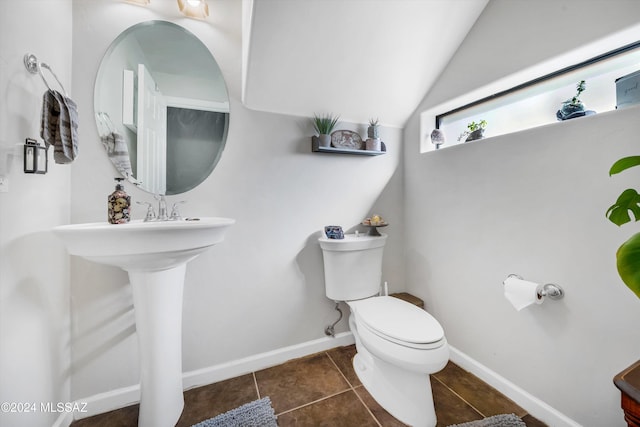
(155, 254)
(157, 298)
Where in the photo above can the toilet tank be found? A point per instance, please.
(352, 266)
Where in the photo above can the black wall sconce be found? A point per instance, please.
(35, 157)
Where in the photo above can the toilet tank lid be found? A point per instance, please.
(351, 242)
(398, 319)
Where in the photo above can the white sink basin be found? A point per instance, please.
(142, 245)
(155, 254)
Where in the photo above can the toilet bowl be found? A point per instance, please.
(398, 344)
(400, 333)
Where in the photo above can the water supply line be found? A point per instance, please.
(329, 330)
(384, 289)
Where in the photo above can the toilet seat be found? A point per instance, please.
(398, 321)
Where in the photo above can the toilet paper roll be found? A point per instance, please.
(521, 293)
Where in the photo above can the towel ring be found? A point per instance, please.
(34, 66)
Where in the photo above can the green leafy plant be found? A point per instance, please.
(473, 127)
(324, 124)
(627, 204)
(575, 101)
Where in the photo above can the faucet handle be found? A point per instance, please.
(175, 213)
(151, 214)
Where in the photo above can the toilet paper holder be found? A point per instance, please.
(548, 290)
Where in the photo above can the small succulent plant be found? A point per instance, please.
(372, 131)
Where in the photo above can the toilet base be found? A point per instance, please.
(404, 394)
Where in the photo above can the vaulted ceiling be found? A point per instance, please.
(360, 59)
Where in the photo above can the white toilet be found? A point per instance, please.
(398, 344)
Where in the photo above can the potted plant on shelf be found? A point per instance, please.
(324, 124)
(474, 131)
(573, 107)
(373, 140)
(628, 255)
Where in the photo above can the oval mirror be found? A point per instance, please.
(161, 107)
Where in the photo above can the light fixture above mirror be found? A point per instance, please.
(194, 8)
(191, 8)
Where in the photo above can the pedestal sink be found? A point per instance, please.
(155, 255)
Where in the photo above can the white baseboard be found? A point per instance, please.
(64, 420)
(119, 398)
(249, 364)
(530, 403)
(108, 401)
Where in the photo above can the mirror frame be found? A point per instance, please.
(117, 134)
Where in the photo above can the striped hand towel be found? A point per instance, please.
(59, 126)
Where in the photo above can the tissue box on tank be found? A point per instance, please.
(628, 90)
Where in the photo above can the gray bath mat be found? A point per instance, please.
(504, 420)
(258, 413)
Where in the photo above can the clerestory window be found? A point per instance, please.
(536, 102)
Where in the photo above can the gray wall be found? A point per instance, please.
(530, 203)
(34, 266)
(260, 290)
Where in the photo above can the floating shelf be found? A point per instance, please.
(315, 147)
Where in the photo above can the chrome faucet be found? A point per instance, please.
(162, 207)
(162, 210)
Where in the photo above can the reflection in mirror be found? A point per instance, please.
(161, 107)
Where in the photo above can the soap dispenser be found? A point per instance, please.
(119, 204)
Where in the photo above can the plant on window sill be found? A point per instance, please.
(628, 255)
(474, 131)
(573, 107)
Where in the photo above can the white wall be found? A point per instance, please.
(262, 288)
(530, 203)
(34, 267)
